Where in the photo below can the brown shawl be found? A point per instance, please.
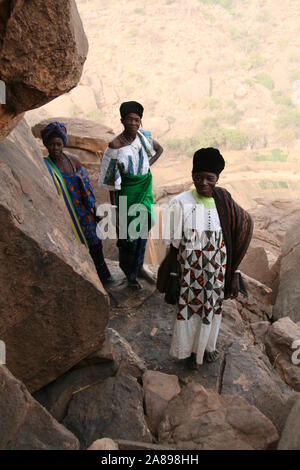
(237, 227)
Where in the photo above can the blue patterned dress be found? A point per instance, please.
(84, 201)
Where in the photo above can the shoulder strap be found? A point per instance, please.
(70, 161)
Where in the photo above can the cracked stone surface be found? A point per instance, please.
(243, 368)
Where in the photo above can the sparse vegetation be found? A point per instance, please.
(235, 139)
(289, 118)
(139, 11)
(209, 17)
(249, 82)
(294, 57)
(248, 42)
(273, 184)
(235, 117)
(231, 104)
(132, 33)
(295, 75)
(281, 99)
(254, 61)
(265, 80)
(227, 4)
(287, 136)
(276, 155)
(210, 134)
(213, 103)
(171, 120)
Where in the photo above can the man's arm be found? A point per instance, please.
(158, 151)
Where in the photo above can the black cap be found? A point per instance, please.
(131, 107)
(208, 159)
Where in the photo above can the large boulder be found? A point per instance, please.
(248, 373)
(53, 307)
(258, 305)
(288, 298)
(256, 265)
(25, 424)
(201, 419)
(40, 57)
(82, 133)
(57, 395)
(159, 389)
(118, 351)
(113, 408)
(279, 340)
(273, 219)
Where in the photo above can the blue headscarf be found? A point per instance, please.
(54, 129)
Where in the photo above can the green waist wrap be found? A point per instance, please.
(138, 190)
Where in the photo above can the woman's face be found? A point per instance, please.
(205, 182)
(55, 147)
(132, 123)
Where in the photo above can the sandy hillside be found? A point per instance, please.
(209, 72)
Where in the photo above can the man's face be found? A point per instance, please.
(132, 122)
(205, 182)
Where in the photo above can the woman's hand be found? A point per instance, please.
(234, 288)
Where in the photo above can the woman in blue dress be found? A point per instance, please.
(74, 185)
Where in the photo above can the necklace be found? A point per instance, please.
(127, 140)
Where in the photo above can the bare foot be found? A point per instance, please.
(211, 356)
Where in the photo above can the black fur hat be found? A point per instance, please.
(208, 159)
(131, 107)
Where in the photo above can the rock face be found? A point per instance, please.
(53, 309)
(248, 373)
(40, 58)
(26, 425)
(111, 409)
(258, 305)
(82, 134)
(288, 298)
(56, 396)
(280, 338)
(159, 389)
(290, 438)
(117, 350)
(201, 419)
(255, 264)
(242, 370)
